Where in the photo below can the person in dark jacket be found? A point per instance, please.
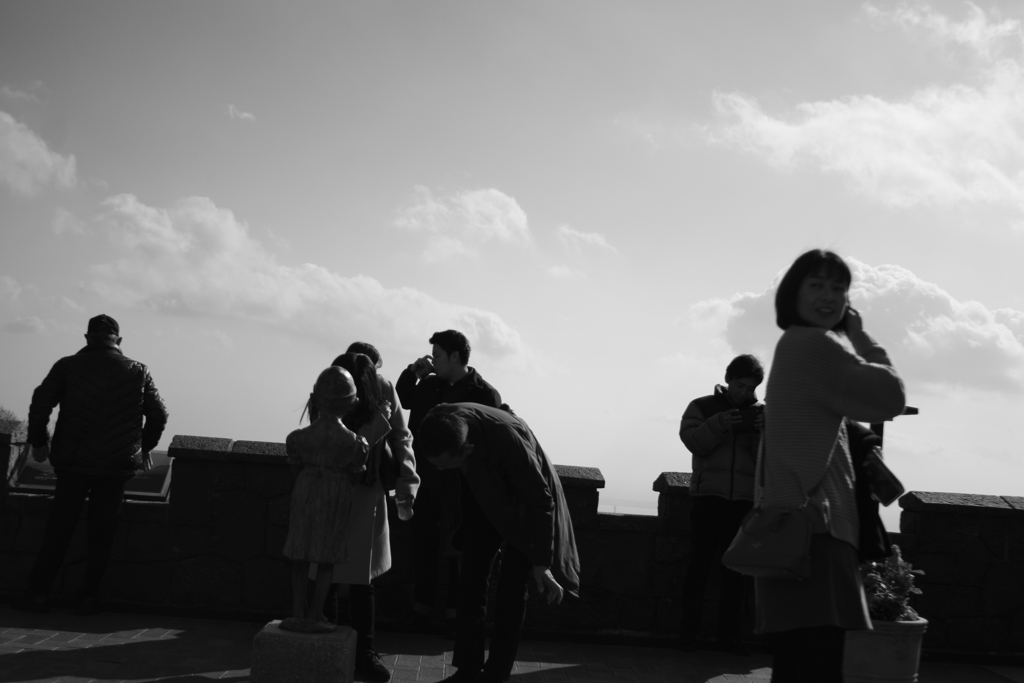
(516, 504)
(721, 493)
(111, 417)
(442, 377)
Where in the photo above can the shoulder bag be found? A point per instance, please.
(774, 542)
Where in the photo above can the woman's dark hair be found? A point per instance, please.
(441, 433)
(813, 262)
(366, 349)
(744, 366)
(364, 372)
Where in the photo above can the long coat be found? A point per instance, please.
(369, 544)
(518, 489)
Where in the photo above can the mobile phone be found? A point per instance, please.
(841, 325)
(749, 417)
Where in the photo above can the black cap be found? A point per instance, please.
(104, 324)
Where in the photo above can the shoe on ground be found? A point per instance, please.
(370, 668)
(88, 606)
(40, 604)
(464, 676)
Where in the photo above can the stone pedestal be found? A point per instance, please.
(286, 657)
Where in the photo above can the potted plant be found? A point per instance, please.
(891, 651)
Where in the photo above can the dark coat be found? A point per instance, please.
(103, 398)
(518, 490)
(421, 395)
(874, 541)
(723, 460)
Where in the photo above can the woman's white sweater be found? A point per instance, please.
(815, 382)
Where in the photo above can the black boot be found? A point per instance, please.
(370, 668)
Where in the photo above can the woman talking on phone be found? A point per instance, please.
(826, 368)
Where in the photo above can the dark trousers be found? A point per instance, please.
(714, 522)
(437, 505)
(480, 545)
(361, 604)
(105, 495)
(808, 655)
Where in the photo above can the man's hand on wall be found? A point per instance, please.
(40, 453)
(546, 584)
(143, 461)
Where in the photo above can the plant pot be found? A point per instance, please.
(888, 654)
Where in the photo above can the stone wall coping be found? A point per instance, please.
(577, 476)
(962, 503)
(225, 450)
(672, 483)
(638, 524)
(270, 452)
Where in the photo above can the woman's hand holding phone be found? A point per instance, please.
(854, 323)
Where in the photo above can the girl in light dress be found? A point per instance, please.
(326, 456)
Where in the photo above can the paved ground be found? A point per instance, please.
(62, 647)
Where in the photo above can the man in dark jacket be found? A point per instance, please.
(98, 444)
(724, 449)
(442, 377)
(515, 503)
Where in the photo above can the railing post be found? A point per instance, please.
(879, 427)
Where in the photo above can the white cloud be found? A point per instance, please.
(460, 223)
(10, 290)
(443, 248)
(985, 37)
(25, 309)
(196, 258)
(565, 273)
(941, 145)
(27, 163)
(934, 339)
(239, 115)
(13, 94)
(577, 239)
(64, 222)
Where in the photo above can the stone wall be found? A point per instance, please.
(215, 546)
(6, 458)
(971, 548)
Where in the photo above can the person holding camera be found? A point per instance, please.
(722, 431)
(442, 377)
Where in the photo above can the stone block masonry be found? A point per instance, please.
(971, 548)
(214, 549)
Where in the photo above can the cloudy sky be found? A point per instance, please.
(600, 194)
